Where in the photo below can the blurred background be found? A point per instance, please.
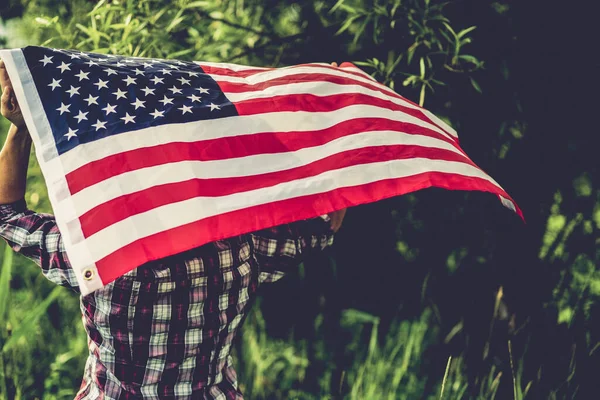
(433, 295)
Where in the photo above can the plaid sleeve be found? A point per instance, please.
(282, 247)
(37, 237)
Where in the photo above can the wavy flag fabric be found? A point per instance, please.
(146, 158)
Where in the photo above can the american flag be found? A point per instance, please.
(146, 158)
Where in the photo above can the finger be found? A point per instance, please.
(334, 64)
(4, 79)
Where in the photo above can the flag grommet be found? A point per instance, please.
(88, 274)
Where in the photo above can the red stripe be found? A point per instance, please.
(224, 71)
(232, 147)
(239, 87)
(125, 206)
(312, 103)
(222, 226)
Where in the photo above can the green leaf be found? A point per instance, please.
(27, 326)
(475, 85)
(465, 31)
(5, 276)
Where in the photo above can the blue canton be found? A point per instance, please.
(89, 96)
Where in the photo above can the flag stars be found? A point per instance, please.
(101, 84)
(90, 63)
(147, 91)
(165, 71)
(120, 94)
(73, 91)
(129, 80)
(194, 98)
(184, 81)
(71, 134)
(92, 100)
(157, 80)
(55, 83)
(82, 116)
(166, 100)
(128, 118)
(99, 125)
(110, 71)
(63, 108)
(138, 72)
(82, 75)
(47, 60)
(64, 67)
(202, 90)
(214, 107)
(194, 74)
(157, 113)
(109, 109)
(185, 109)
(147, 65)
(175, 90)
(138, 103)
(73, 56)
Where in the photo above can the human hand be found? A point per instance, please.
(337, 217)
(9, 107)
(334, 64)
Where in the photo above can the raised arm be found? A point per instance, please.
(34, 235)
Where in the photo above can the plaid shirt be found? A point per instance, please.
(165, 329)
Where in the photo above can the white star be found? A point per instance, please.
(91, 100)
(165, 71)
(130, 80)
(185, 109)
(172, 66)
(82, 54)
(119, 93)
(128, 118)
(109, 109)
(46, 60)
(202, 90)
(157, 113)
(175, 90)
(179, 62)
(214, 106)
(110, 55)
(110, 71)
(101, 84)
(120, 64)
(63, 108)
(55, 83)
(73, 91)
(82, 75)
(194, 98)
(90, 63)
(81, 116)
(183, 81)
(147, 65)
(166, 100)
(157, 80)
(138, 72)
(73, 56)
(138, 103)
(71, 134)
(190, 73)
(147, 91)
(99, 125)
(63, 67)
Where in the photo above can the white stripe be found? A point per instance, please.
(230, 66)
(320, 89)
(173, 215)
(140, 179)
(266, 76)
(226, 127)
